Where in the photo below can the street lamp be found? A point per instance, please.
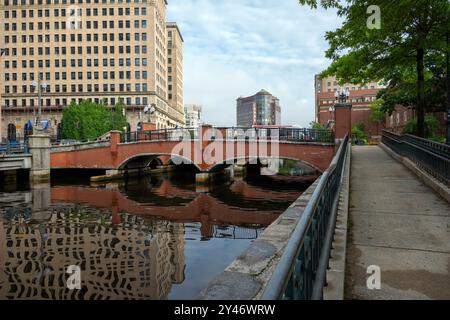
(342, 95)
(150, 110)
(40, 86)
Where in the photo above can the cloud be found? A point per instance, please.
(237, 47)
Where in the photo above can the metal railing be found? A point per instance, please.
(301, 272)
(159, 135)
(430, 156)
(233, 133)
(14, 147)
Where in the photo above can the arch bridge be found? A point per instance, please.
(208, 148)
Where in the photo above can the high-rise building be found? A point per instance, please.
(361, 96)
(175, 69)
(260, 109)
(193, 115)
(89, 49)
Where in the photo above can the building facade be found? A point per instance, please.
(260, 109)
(193, 115)
(175, 70)
(361, 96)
(92, 49)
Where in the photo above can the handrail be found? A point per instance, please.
(14, 147)
(301, 271)
(431, 156)
(233, 133)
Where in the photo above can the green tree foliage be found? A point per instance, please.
(88, 120)
(359, 133)
(377, 115)
(406, 53)
(431, 127)
(316, 125)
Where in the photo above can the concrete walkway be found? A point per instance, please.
(398, 224)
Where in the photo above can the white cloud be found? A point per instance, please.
(237, 47)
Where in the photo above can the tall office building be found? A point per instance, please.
(175, 68)
(260, 109)
(361, 96)
(193, 114)
(89, 49)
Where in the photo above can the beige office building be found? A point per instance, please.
(88, 49)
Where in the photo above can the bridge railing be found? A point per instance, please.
(301, 271)
(234, 133)
(430, 156)
(14, 147)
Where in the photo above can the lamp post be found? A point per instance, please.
(39, 86)
(150, 110)
(342, 95)
(331, 121)
(342, 114)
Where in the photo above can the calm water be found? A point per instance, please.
(151, 238)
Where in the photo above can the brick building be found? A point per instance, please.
(361, 96)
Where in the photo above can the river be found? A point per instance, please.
(148, 238)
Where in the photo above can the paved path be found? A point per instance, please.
(398, 224)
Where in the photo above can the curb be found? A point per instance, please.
(336, 272)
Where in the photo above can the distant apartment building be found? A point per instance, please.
(260, 109)
(99, 50)
(193, 114)
(361, 96)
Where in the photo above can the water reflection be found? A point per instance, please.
(144, 239)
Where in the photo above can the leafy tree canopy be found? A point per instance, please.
(406, 53)
(89, 120)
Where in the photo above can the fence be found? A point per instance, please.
(277, 134)
(14, 147)
(301, 272)
(430, 156)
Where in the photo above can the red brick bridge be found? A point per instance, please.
(208, 149)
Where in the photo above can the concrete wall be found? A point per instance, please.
(39, 148)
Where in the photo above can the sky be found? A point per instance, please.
(236, 48)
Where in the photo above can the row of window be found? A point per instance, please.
(79, 75)
(140, 101)
(32, 2)
(353, 100)
(76, 37)
(78, 50)
(138, 87)
(63, 25)
(77, 63)
(75, 12)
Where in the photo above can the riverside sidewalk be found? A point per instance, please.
(398, 224)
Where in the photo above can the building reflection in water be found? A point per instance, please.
(131, 259)
(128, 240)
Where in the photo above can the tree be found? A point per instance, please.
(316, 125)
(89, 120)
(412, 36)
(377, 115)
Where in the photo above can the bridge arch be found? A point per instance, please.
(247, 160)
(149, 157)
